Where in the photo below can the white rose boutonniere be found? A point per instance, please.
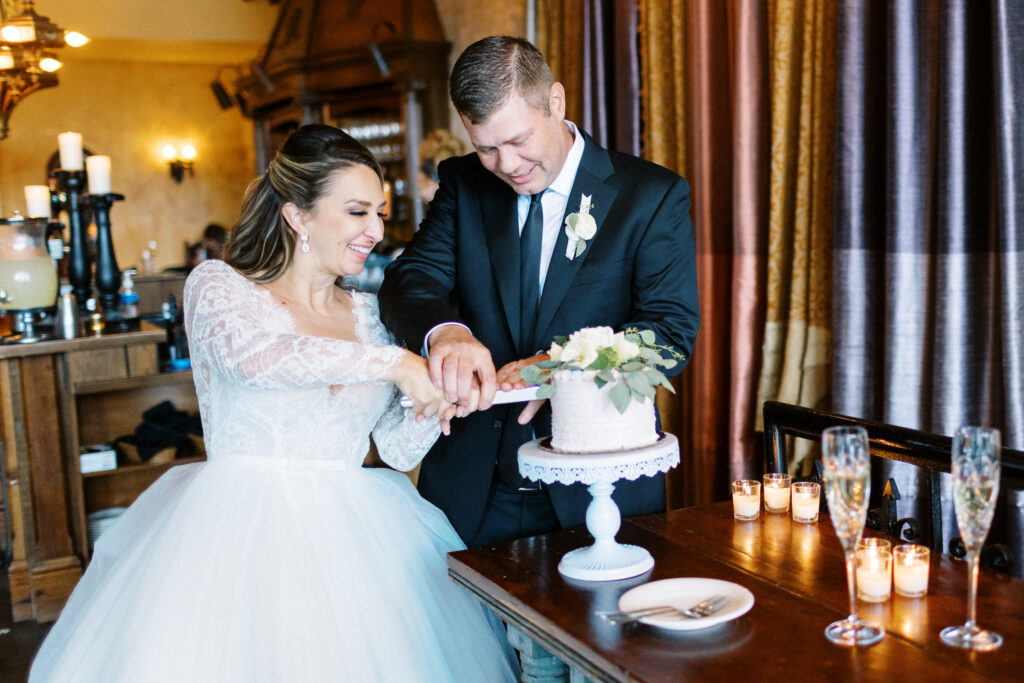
(579, 227)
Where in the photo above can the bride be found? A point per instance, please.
(281, 558)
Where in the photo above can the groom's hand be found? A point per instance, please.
(509, 377)
(462, 366)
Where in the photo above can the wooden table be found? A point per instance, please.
(797, 576)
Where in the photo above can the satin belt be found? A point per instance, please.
(280, 463)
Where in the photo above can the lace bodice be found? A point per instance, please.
(265, 390)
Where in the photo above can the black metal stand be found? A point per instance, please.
(108, 276)
(79, 275)
(884, 518)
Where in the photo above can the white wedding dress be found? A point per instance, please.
(281, 558)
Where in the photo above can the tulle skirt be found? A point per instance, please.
(257, 569)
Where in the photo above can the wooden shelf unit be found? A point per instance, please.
(56, 397)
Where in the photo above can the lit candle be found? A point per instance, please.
(37, 201)
(874, 574)
(98, 169)
(70, 151)
(776, 492)
(806, 501)
(746, 499)
(910, 570)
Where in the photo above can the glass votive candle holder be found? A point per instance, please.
(776, 492)
(874, 574)
(881, 545)
(806, 501)
(746, 499)
(910, 570)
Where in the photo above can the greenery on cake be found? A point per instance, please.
(631, 361)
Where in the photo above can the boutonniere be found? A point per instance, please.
(579, 227)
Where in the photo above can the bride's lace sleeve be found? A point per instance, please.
(401, 440)
(232, 330)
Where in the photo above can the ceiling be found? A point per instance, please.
(190, 31)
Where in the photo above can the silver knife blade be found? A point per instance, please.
(500, 397)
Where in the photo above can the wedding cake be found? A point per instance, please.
(602, 385)
(584, 419)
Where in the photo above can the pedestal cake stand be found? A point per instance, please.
(606, 560)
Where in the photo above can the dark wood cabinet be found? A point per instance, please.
(382, 65)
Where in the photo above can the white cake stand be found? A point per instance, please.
(606, 560)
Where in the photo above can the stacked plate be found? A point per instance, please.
(100, 521)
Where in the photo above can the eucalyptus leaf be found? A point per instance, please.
(601, 362)
(600, 382)
(606, 376)
(620, 395)
(647, 337)
(531, 374)
(640, 385)
(631, 366)
(580, 246)
(561, 341)
(545, 390)
(546, 364)
(655, 376)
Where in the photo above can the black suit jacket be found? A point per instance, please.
(463, 265)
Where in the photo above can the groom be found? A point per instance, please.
(488, 282)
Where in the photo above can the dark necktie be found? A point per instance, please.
(529, 273)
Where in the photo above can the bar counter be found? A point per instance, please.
(55, 397)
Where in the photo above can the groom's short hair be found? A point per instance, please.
(493, 69)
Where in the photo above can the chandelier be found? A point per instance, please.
(27, 60)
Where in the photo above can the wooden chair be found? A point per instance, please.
(926, 451)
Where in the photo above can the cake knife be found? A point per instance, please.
(510, 396)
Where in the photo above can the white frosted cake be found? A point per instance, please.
(584, 420)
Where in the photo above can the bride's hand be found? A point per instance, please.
(413, 379)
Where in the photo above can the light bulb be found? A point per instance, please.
(15, 33)
(75, 39)
(188, 152)
(170, 153)
(49, 64)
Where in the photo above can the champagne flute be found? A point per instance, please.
(847, 463)
(975, 489)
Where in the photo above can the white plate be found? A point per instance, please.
(684, 593)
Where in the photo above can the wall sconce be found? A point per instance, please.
(180, 163)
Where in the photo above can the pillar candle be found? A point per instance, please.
(98, 169)
(70, 151)
(37, 201)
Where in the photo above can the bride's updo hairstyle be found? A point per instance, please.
(262, 243)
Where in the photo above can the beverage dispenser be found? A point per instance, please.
(28, 278)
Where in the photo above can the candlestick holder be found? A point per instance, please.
(108, 276)
(79, 275)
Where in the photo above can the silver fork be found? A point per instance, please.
(704, 608)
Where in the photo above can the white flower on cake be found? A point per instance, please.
(629, 361)
(580, 226)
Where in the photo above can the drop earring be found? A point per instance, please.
(305, 243)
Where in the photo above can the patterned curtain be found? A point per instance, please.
(705, 115)
(797, 335)
(929, 231)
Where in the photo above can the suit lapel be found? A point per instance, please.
(498, 212)
(595, 168)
